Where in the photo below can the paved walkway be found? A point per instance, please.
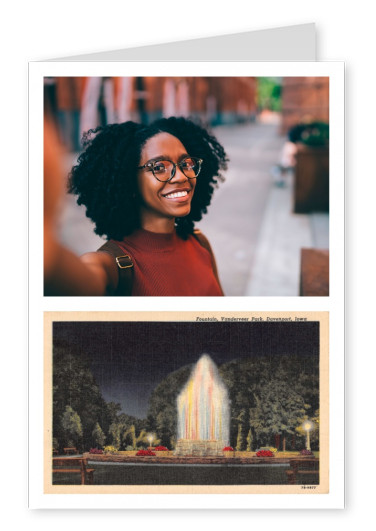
(256, 236)
(235, 216)
(276, 266)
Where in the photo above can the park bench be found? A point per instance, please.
(73, 465)
(70, 450)
(302, 466)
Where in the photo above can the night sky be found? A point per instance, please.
(129, 359)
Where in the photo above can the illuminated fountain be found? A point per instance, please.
(203, 412)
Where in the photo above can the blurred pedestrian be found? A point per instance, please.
(287, 161)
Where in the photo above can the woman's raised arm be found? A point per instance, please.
(64, 272)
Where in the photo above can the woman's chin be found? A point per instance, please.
(183, 212)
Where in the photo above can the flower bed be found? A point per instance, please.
(228, 452)
(95, 451)
(264, 453)
(145, 453)
(162, 451)
(110, 450)
(308, 453)
(272, 449)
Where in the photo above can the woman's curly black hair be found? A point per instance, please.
(105, 176)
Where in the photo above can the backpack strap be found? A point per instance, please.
(125, 268)
(204, 242)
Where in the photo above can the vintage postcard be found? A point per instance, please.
(186, 403)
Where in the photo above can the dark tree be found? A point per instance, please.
(162, 414)
(74, 386)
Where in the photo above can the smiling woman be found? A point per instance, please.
(166, 188)
(144, 187)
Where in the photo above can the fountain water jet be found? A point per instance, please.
(203, 412)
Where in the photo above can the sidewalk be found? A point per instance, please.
(255, 235)
(276, 267)
(237, 210)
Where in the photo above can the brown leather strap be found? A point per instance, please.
(125, 268)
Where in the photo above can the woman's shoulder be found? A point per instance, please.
(121, 268)
(204, 242)
(202, 239)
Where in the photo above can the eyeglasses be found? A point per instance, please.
(165, 170)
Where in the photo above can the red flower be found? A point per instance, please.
(161, 449)
(95, 451)
(264, 453)
(306, 452)
(228, 449)
(145, 452)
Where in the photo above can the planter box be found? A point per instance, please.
(314, 273)
(311, 186)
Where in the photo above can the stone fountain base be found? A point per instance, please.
(199, 448)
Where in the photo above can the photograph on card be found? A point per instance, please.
(186, 186)
(234, 401)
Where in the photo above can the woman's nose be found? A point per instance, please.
(178, 176)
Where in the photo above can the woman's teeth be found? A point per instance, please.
(176, 194)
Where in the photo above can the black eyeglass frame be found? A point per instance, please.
(150, 165)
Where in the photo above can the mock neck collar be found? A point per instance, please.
(153, 241)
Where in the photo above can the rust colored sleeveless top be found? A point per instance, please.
(166, 265)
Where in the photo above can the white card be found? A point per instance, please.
(216, 57)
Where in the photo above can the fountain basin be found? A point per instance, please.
(197, 448)
(192, 460)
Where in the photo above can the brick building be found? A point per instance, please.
(216, 100)
(304, 99)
